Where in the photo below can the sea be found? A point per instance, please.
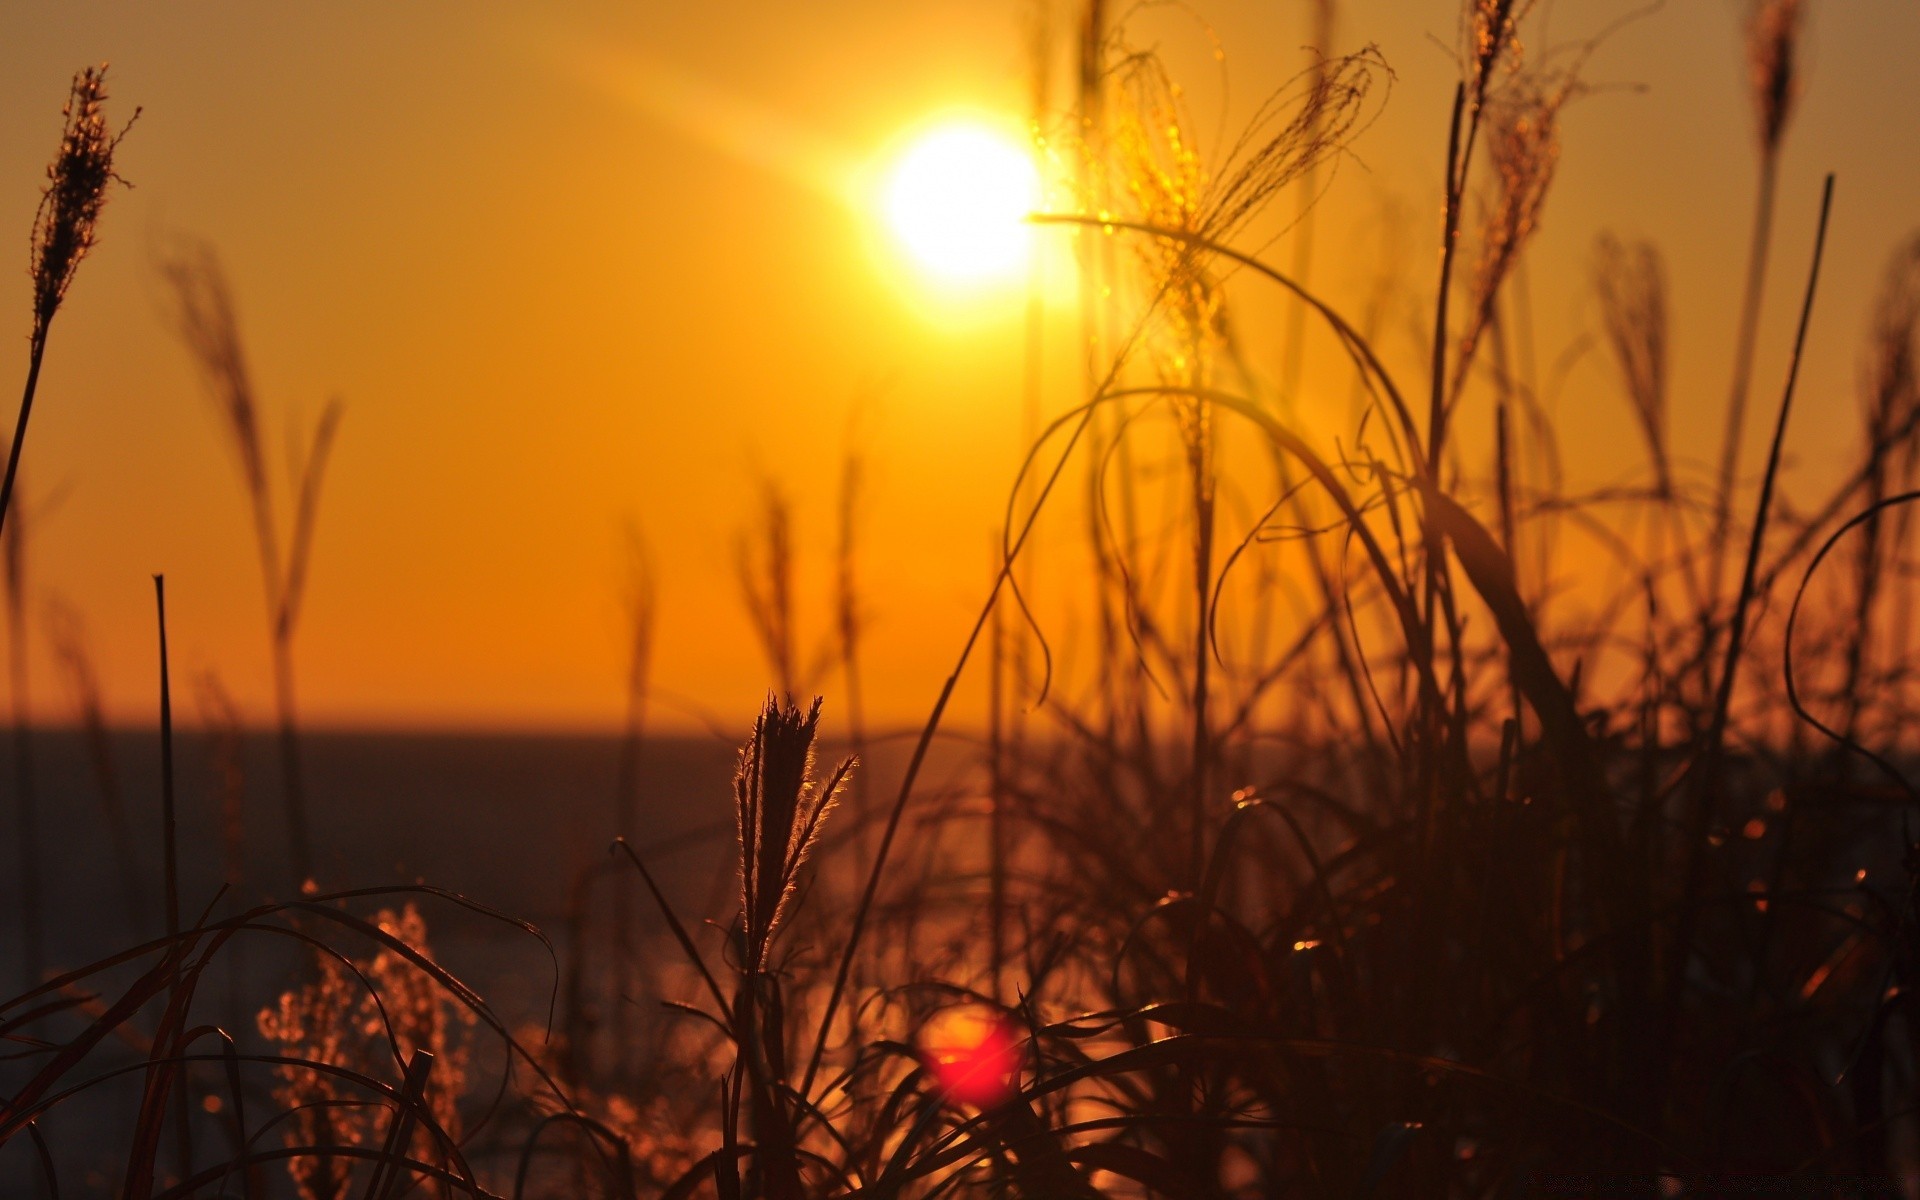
(511, 822)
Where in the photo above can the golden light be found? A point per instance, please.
(973, 1054)
(957, 199)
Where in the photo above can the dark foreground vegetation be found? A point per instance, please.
(1362, 860)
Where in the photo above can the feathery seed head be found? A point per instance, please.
(1631, 283)
(779, 806)
(1492, 36)
(1522, 132)
(1300, 126)
(67, 223)
(1773, 35)
(205, 317)
(1893, 365)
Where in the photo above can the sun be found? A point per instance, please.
(957, 199)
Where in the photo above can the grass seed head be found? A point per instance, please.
(208, 326)
(1631, 284)
(1773, 37)
(1171, 184)
(67, 223)
(1893, 364)
(780, 807)
(1492, 34)
(1523, 148)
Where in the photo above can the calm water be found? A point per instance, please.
(508, 820)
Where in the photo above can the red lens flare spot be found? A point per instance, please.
(972, 1054)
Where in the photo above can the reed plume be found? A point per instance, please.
(1892, 415)
(207, 325)
(68, 221)
(1298, 128)
(1893, 371)
(1492, 33)
(65, 228)
(1522, 127)
(1631, 283)
(1185, 205)
(779, 807)
(1772, 39)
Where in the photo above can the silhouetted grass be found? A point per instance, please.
(1357, 863)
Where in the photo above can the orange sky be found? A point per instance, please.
(572, 261)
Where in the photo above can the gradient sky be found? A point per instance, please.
(573, 262)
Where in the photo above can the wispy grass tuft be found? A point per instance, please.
(208, 326)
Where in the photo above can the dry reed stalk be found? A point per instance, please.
(65, 229)
(1708, 771)
(1523, 148)
(1292, 134)
(998, 770)
(209, 327)
(1040, 56)
(1099, 319)
(1772, 41)
(13, 549)
(1892, 413)
(1631, 283)
(158, 1080)
(642, 611)
(779, 808)
(1490, 31)
(1293, 350)
(169, 847)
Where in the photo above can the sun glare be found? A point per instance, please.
(958, 198)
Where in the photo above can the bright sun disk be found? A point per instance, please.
(958, 200)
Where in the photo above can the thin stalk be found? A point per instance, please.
(32, 930)
(171, 850)
(169, 845)
(298, 845)
(1503, 475)
(37, 350)
(1293, 351)
(997, 796)
(1711, 764)
(1078, 423)
(1745, 343)
(1201, 466)
(626, 799)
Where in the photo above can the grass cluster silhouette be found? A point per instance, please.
(1351, 859)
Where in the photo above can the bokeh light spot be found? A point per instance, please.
(972, 1053)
